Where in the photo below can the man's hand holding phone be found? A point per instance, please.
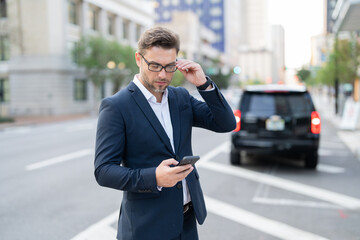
(167, 176)
(188, 160)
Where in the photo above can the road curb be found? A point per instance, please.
(36, 120)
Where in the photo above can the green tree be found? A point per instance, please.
(342, 63)
(303, 74)
(213, 70)
(95, 54)
(221, 80)
(345, 61)
(326, 74)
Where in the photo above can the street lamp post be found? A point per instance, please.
(336, 81)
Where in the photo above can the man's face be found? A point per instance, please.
(156, 82)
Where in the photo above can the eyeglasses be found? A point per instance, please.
(155, 67)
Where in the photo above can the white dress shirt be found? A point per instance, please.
(162, 112)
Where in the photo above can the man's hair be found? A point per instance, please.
(158, 37)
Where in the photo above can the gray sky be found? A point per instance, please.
(301, 19)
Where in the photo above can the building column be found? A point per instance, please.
(83, 18)
(132, 34)
(103, 22)
(119, 28)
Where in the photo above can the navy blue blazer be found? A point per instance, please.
(131, 143)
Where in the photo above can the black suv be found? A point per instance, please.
(276, 120)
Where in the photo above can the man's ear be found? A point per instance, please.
(138, 58)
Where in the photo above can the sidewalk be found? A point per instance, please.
(326, 108)
(36, 120)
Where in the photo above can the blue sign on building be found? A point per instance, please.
(210, 13)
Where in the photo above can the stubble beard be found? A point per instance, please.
(151, 86)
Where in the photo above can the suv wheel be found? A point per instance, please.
(235, 158)
(311, 160)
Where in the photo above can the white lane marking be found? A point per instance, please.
(100, 230)
(325, 152)
(314, 192)
(333, 145)
(81, 127)
(329, 168)
(59, 159)
(17, 130)
(349, 139)
(271, 227)
(293, 202)
(222, 148)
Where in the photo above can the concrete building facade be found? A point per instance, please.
(278, 56)
(261, 51)
(196, 39)
(210, 13)
(346, 18)
(242, 30)
(40, 76)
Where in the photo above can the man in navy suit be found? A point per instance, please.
(144, 130)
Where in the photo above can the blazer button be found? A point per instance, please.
(179, 185)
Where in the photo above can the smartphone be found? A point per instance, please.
(189, 160)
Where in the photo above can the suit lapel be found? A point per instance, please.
(149, 114)
(175, 118)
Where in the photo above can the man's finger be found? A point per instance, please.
(169, 162)
(183, 169)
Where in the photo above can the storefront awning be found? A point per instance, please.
(347, 15)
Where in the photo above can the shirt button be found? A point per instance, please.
(179, 185)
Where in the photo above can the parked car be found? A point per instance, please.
(276, 120)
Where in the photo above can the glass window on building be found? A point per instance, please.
(3, 11)
(4, 90)
(71, 46)
(126, 29)
(166, 15)
(166, 3)
(175, 3)
(4, 48)
(73, 12)
(111, 24)
(80, 89)
(216, 24)
(215, 11)
(93, 18)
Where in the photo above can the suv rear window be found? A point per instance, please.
(276, 103)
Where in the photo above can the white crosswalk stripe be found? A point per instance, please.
(271, 227)
(60, 159)
(102, 230)
(314, 192)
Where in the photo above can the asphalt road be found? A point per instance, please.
(48, 190)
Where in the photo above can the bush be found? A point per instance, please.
(6, 120)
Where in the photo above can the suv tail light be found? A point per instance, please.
(315, 123)
(237, 114)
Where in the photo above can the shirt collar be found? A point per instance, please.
(148, 95)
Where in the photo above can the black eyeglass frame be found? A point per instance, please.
(157, 64)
